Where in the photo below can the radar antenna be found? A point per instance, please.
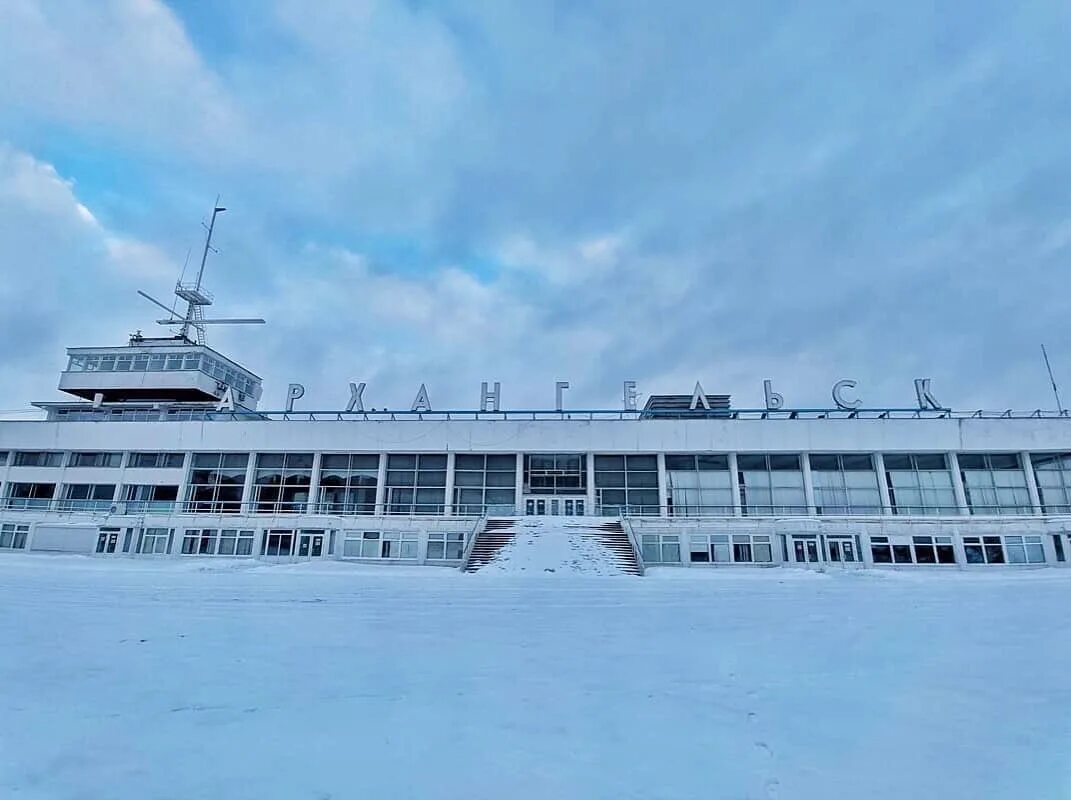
(196, 297)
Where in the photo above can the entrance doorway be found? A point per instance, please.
(554, 506)
(805, 549)
(311, 545)
(842, 549)
(107, 540)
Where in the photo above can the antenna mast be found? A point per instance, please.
(195, 296)
(1052, 380)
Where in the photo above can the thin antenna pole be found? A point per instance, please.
(1052, 380)
(192, 310)
(208, 240)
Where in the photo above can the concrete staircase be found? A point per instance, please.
(496, 534)
(556, 545)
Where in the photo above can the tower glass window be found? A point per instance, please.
(771, 484)
(348, 483)
(416, 484)
(30, 495)
(699, 485)
(845, 484)
(281, 483)
(920, 483)
(555, 473)
(88, 496)
(994, 483)
(485, 484)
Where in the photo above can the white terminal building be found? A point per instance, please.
(164, 453)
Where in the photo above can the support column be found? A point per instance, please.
(248, 506)
(734, 485)
(448, 503)
(518, 497)
(314, 486)
(1031, 482)
(183, 485)
(663, 486)
(381, 486)
(883, 484)
(808, 484)
(957, 485)
(589, 466)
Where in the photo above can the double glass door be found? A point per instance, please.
(310, 545)
(554, 506)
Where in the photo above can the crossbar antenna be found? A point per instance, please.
(195, 296)
(1052, 380)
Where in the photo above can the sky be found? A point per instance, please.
(455, 192)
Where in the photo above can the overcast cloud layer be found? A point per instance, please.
(529, 192)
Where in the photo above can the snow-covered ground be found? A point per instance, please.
(195, 679)
(553, 545)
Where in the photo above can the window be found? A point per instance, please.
(752, 548)
(627, 484)
(348, 483)
(446, 546)
(485, 484)
(933, 549)
(845, 484)
(416, 484)
(771, 484)
(885, 551)
(983, 550)
(88, 496)
(994, 483)
(277, 543)
(920, 483)
(30, 495)
(199, 541)
(37, 458)
(156, 460)
(661, 548)
(707, 548)
(1024, 550)
(233, 542)
(95, 460)
(385, 544)
(555, 473)
(1053, 474)
(3, 457)
(150, 498)
(699, 485)
(155, 540)
(216, 482)
(13, 537)
(281, 483)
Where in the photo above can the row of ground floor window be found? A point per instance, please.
(415, 546)
(752, 548)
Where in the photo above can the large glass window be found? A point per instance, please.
(156, 460)
(845, 484)
(555, 473)
(771, 484)
(277, 543)
(1053, 474)
(627, 484)
(994, 483)
(88, 496)
(416, 484)
(920, 483)
(216, 482)
(150, 498)
(485, 484)
(13, 537)
(281, 482)
(699, 485)
(381, 544)
(348, 483)
(37, 458)
(30, 495)
(95, 459)
(724, 548)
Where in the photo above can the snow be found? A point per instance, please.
(553, 545)
(227, 679)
